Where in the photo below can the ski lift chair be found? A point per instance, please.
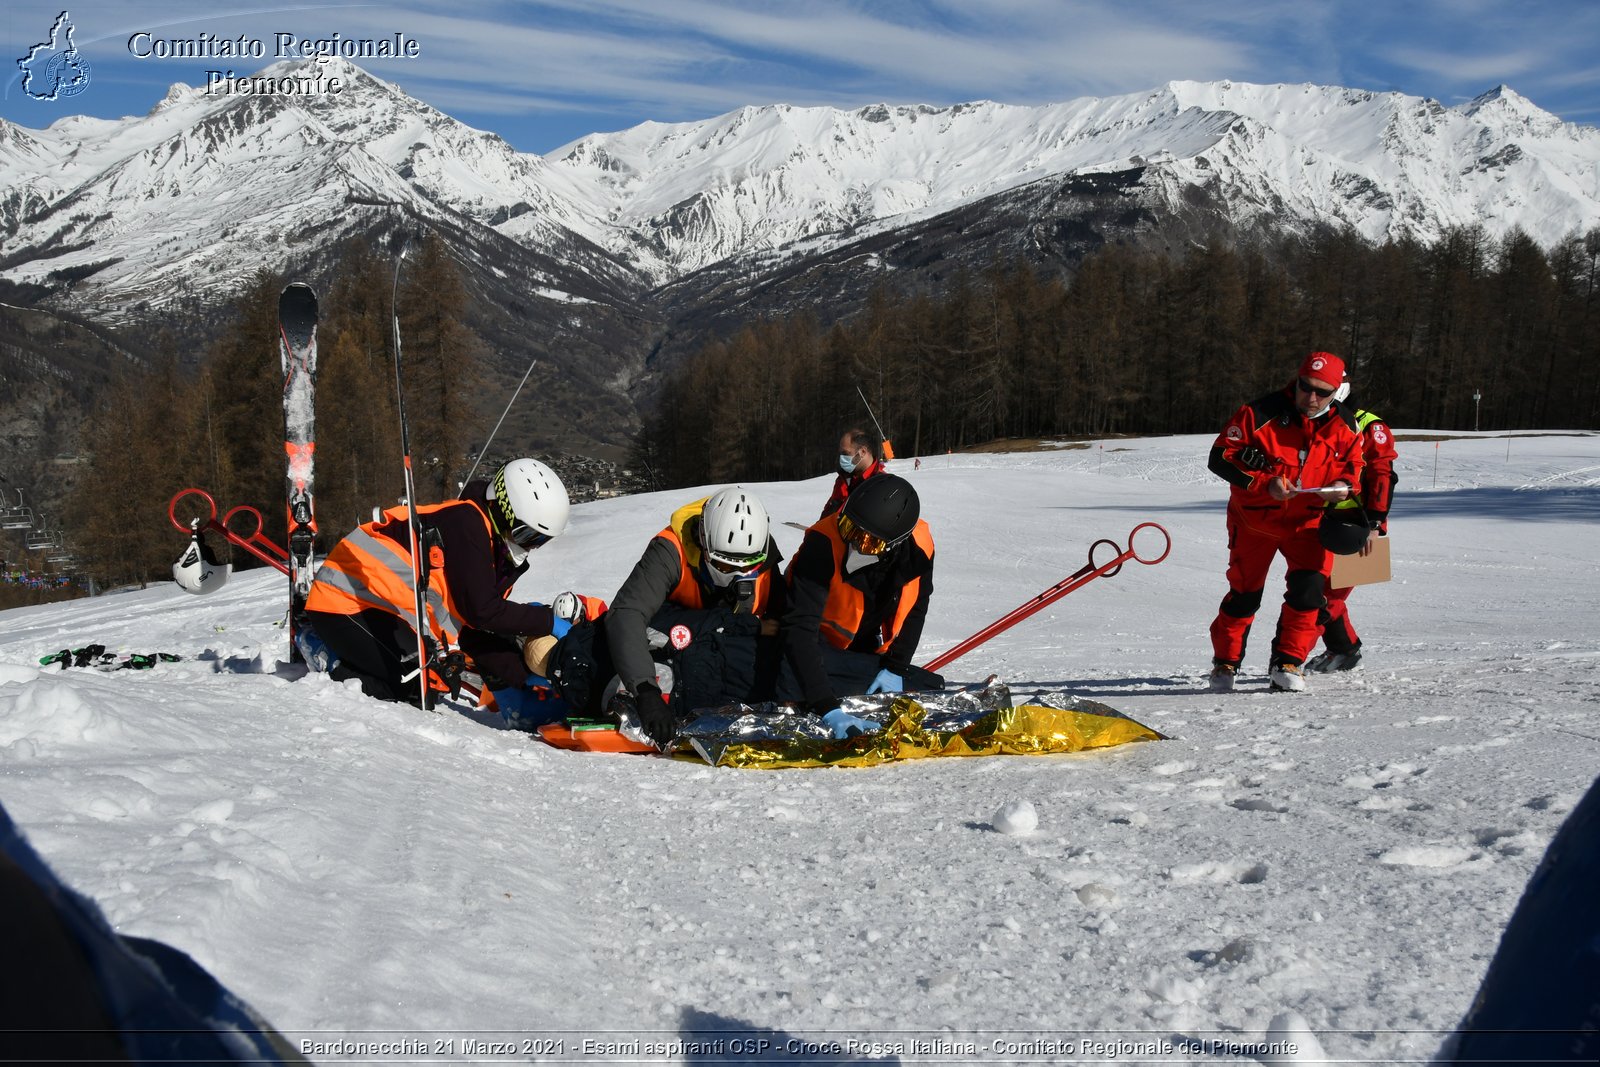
(40, 541)
(16, 518)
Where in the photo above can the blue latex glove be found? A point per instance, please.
(559, 628)
(844, 725)
(887, 682)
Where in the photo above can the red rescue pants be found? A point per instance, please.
(1338, 633)
(1250, 555)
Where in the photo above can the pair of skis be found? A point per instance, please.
(297, 345)
(297, 348)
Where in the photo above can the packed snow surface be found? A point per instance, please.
(1337, 864)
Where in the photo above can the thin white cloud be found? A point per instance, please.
(624, 61)
(1454, 68)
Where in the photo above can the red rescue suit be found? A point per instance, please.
(1377, 491)
(846, 482)
(1308, 453)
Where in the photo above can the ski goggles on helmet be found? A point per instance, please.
(863, 541)
(526, 537)
(735, 564)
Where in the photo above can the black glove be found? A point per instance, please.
(1252, 458)
(655, 714)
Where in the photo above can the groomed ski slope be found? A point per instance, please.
(362, 871)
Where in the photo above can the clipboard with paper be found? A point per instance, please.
(1362, 570)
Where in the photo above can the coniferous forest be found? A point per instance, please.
(1137, 342)
(165, 427)
(1132, 342)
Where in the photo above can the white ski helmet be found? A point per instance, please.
(529, 505)
(734, 529)
(197, 570)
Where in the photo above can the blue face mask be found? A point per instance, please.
(848, 463)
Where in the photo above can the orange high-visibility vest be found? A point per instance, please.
(847, 605)
(687, 593)
(369, 569)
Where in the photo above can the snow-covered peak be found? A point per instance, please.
(667, 199)
(763, 177)
(1506, 106)
(178, 93)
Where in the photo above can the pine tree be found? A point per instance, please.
(358, 450)
(441, 360)
(246, 372)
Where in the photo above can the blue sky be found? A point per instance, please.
(543, 72)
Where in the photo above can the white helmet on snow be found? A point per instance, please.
(197, 570)
(529, 505)
(734, 529)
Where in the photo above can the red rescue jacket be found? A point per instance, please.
(1308, 453)
(846, 482)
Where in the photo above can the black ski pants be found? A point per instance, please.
(374, 647)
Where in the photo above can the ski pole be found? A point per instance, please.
(255, 543)
(1076, 580)
(485, 449)
(877, 425)
(411, 488)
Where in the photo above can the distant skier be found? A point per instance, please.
(858, 596)
(1298, 438)
(1370, 507)
(717, 562)
(859, 453)
(475, 548)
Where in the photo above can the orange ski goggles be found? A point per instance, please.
(857, 536)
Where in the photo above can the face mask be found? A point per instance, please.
(517, 553)
(848, 463)
(854, 561)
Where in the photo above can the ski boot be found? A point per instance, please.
(1222, 677)
(1330, 661)
(316, 653)
(1286, 678)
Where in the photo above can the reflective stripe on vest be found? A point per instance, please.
(1364, 419)
(847, 605)
(371, 570)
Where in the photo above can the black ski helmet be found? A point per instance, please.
(1343, 531)
(885, 506)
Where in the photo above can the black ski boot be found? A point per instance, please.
(1330, 661)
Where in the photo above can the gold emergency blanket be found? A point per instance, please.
(910, 732)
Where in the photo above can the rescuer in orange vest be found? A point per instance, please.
(716, 552)
(362, 604)
(858, 591)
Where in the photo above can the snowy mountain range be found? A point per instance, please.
(206, 187)
(610, 258)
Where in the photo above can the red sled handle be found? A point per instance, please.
(255, 542)
(1077, 579)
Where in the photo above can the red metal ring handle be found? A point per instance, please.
(172, 509)
(1134, 535)
(1117, 557)
(227, 522)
